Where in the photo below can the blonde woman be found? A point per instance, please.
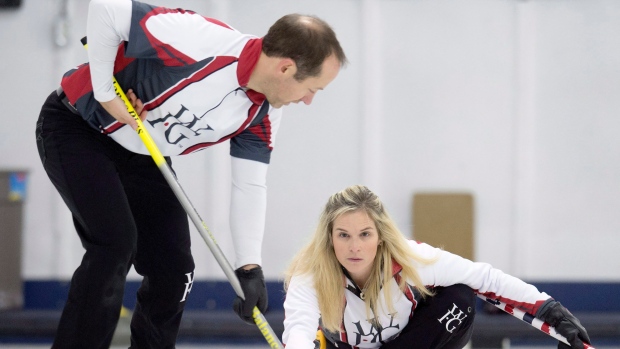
(362, 284)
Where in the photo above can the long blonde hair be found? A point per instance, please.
(318, 258)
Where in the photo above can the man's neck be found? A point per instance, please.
(259, 75)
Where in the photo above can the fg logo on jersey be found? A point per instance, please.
(182, 125)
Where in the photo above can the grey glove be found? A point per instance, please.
(565, 323)
(253, 286)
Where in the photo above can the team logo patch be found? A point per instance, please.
(454, 314)
(188, 285)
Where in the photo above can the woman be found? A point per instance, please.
(363, 284)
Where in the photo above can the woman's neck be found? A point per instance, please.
(361, 282)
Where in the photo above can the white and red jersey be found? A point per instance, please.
(189, 70)
(191, 73)
(302, 312)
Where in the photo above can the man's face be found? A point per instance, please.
(284, 89)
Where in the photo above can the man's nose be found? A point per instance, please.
(307, 99)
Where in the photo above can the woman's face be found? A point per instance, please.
(356, 240)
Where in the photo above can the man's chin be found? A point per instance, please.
(276, 105)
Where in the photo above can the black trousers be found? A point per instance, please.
(125, 214)
(443, 321)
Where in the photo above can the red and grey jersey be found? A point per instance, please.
(302, 314)
(189, 70)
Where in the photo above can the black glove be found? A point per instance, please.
(565, 323)
(253, 286)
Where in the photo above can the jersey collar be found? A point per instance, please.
(247, 62)
(396, 268)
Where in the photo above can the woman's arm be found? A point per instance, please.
(301, 314)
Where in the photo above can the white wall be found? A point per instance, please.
(512, 101)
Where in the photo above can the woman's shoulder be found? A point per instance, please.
(301, 280)
(424, 253)
(422, 247)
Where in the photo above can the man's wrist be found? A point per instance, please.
(250, 266)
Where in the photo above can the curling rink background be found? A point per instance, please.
(265, 346)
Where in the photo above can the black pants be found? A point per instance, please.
(443, 321)
(125, 213)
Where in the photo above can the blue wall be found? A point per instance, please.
(208, 295)
(218, 295)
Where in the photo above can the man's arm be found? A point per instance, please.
(247, 211)
(247, 223)
(107, 26)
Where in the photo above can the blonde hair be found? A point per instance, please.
(318, 258)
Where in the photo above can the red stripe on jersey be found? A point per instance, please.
(199, 146)
(536, 306)
(343, 331)
(545, 328)
(408, 294)
(79, 82)
(216, 64)
(121, 62)
(527, 307)
(253, 110)
(264, 133)
(247, 60)
(218, 22)
(113, 127)
(255, 97)
(168, 54)
(396, 268)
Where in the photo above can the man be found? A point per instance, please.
(195, 82)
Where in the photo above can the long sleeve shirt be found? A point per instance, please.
(302, 312)
(191, 73)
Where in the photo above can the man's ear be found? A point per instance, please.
(287, 67)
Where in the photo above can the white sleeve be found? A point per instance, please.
(301, 314)
(107, 26)
(247, 209)
(451, 269)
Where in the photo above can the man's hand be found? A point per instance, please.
(565, 323)
(118, 110)
(253, 286)
(137, 104)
